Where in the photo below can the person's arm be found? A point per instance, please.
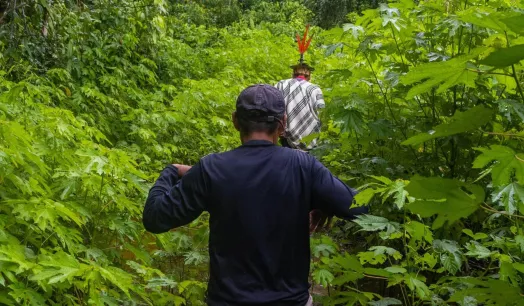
(331, 195)
(173, 202)
(318, 97)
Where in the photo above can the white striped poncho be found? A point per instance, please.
(302, 101)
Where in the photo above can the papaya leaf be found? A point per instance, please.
(504, 57)
(508, 273)
(441, 74)
(508, 164)
(461, 122)
(380, 249)
(515, 23)
(323, 250)
(399, 193)
(418, 231)
(332, 48)
(348, 262)
(370, 223)
(371, 258)
(428, 259)
(518, 266)
(323, 277)
(519, 240)
(511, 197)
(59, 267)
(509, 107)
(480, 18)
(363, 197)
(486, 292)
(417, 285)
(449, 199)
(395, 269)
(450, 255)
(476, 236)
(477, 250)
(353, 29)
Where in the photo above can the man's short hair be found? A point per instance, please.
(250, 121)
(302, 69)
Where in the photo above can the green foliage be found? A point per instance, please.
(505, 57)
(424, 116)
(449, 199)
(95, 98)
(441, 74)
(469, 120)
(508, 164)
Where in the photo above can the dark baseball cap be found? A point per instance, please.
(261, 99)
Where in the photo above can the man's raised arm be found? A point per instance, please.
(173, 202)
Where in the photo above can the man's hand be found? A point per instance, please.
(182, 169)
(318, 220)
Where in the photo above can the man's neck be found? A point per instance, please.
(260, 136)
(300, 77)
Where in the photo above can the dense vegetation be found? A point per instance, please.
(425, 112)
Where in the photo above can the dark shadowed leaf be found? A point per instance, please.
(449, 199)
(505, 57)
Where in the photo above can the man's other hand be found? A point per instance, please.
(182, 169)
(318, 220)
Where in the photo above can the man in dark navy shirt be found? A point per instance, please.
(259, 196)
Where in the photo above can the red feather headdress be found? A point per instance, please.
(303, 44)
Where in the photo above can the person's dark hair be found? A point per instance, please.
(296, 74)
(250, 121)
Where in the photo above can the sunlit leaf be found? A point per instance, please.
(441, 74)
(461, 122)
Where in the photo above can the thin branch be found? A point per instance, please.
(514, 72)
(491, 209)
(376, 277)
(519, 159)
(504, 134)
(396, 44)
(489, 72)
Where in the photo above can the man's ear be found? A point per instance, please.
(282, 128)
(235, 121)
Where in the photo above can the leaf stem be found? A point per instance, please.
(388, 104)
(375, 277)
(491, 209)
(396, 44)
(504, 134)
(489, 72)
(487, 269)
(404, 294)
(514, 72)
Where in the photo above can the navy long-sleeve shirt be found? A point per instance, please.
(259, 196)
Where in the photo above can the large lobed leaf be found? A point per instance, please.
(511, 197)
(504, 57)
(461, 122)
(508, 164)
(449, 199)
(441, 74)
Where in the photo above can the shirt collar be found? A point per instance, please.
(254, 143)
